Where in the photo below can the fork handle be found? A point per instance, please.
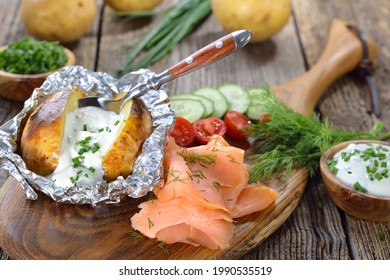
(208, 54)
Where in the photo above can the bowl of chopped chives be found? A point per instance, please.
(25, 64)
(357, 177)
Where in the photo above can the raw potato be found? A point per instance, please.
(133, 5)
(263, 18)
(59, 20)
(42, 135)
(120, 158)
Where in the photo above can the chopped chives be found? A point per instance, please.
(378, 176)
(85, 127)
(116, 123)
(384, 164)
(91, 169)
(357, 186)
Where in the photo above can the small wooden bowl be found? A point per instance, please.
(361, 205)
(19, 87)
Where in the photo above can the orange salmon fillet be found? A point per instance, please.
(203, 190)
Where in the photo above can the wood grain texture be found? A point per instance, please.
(344, 101)
(310, 232)
(44, 229)
(204, 56)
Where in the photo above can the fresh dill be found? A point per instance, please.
(202, 160)
(289, 140)
(150, 223)
(134, 234)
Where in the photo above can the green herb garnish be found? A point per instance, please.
(289, 140)
(202, 160)
(29, 56)
(77, 161)
(320, 205)
(134, 234)
(381, 236)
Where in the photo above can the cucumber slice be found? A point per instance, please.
(255, 111)
(237, 97)
(221, 105)
(189, 109)
(207, 103)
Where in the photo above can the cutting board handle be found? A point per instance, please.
(343, 53)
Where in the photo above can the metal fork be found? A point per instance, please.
(208, 54)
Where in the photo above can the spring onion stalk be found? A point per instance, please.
(177, 22)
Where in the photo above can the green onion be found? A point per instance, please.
(85, 127)
(77, 161)
(175, 25)
(357, 186)
(116, 123)
(378, 176)
(91, 169)
(29, 56)
(95, 147)
(320, 205)
(381, 236)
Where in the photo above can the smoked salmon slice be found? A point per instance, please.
(184, 220)
(203, 190)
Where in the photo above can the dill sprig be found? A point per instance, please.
(202, 160)
(289, 140)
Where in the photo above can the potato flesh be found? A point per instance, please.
(120, 158)
(42, 135)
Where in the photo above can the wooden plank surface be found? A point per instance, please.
(310, 232)
(344, 104)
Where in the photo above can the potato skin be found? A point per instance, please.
(60, 20)
(119, 159)
(42, 135)
(132, 5)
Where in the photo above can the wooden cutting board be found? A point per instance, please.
(44, 229)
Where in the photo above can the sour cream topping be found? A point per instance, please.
(88, 134)
(364, 167)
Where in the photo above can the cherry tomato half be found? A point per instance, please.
(264, 118)
(236, 123)
(183, 133)
(206, 128)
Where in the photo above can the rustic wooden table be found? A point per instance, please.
(310, 232)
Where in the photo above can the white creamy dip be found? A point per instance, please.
(364, 167)
(88, 134)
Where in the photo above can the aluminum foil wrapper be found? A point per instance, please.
(148, 169)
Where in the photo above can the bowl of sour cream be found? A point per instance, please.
(357, 177)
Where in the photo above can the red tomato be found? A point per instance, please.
(183, 133)
(206, 128)
(264, 118)
(236, 124)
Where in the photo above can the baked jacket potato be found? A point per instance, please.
(44, 131)
(42, 135)
(120, 157)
